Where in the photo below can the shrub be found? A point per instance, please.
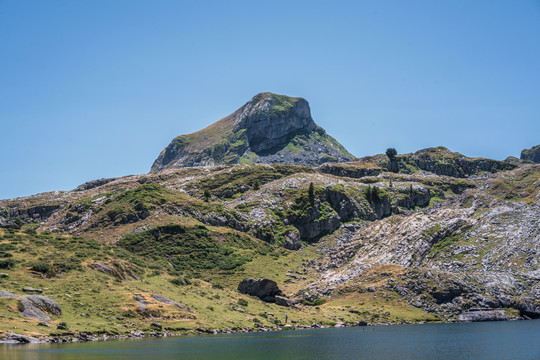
(179, 281)
(256, 184)
(242, 302)
(41, 267)
(316, 302)
(311, 193)
(391, 153)
(7, 264)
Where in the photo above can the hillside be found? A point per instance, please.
(263, 214)
(416, 237)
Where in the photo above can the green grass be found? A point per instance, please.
(193, 249)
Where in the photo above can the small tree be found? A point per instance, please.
(206, 195)
(391, 153)
(311, 194)
(256, 184)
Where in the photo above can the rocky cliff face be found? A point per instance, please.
(269, 128)
(532, 154)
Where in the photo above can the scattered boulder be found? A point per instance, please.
(3, 275)
(31, 290)
(164, 300)
(44, 323)
(156, 325)
(139, 299)
(264, 289)
(284, 301)
(292, 240)
(21, 339)
(37, 307)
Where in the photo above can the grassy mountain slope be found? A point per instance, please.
(420, 237)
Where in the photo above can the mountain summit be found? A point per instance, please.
(269, 128)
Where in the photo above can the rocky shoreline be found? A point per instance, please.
(15, 338)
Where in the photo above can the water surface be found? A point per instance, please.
(517, 340)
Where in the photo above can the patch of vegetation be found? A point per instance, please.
(193, 248)
(7, 264)
(316, 302)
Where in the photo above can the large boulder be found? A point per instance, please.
(264, 289)
(284, 301)
(38, 307)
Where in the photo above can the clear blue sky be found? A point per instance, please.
(92, 89)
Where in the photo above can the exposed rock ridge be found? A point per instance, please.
(532, 154)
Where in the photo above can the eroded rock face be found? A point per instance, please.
(38, 307)
(532, 154)
(264, 289)
(271, 121)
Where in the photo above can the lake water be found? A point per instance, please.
(514, 340)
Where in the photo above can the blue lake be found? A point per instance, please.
(489, 340)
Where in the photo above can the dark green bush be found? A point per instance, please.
(41, 267)
(7, 264)
(180, 281)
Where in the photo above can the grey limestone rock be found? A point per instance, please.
(38, 306)
(31, 289)
(474, 315)
(164, 300)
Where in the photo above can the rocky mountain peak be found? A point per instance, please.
(269, 128)
(271, 120)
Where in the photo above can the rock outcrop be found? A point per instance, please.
(474, 315)
(120, 269)
(38, 307)
(532, 154)
(264, 289)
(268, 129)
(441, 161)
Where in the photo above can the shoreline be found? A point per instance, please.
(21, 339)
